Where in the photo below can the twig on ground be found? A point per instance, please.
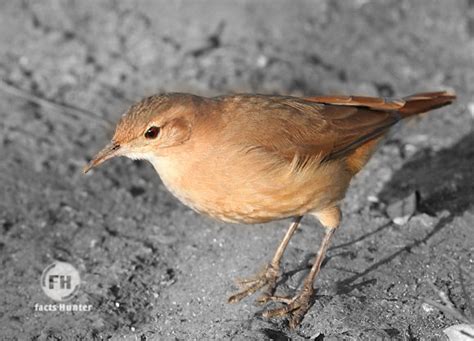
(448, 307)
(467, 296)
(76, 112)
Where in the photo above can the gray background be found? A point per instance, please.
(154, 269)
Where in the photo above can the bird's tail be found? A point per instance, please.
(408, 106)
(423, 102)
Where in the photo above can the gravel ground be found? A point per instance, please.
(153, 269)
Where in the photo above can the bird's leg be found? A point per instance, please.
(298, 306)
(269, 275)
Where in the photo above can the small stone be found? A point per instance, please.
(426, 220)
(262, 61)
(373, 198)
(470, 108)
(427, 308)
(401, 220)
(460, 332)
(444, 214)
(402, 210)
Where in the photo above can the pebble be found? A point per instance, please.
(470, 108)
(402, 210)
(427, 308)
(459, 332)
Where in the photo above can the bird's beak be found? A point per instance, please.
(110, 150)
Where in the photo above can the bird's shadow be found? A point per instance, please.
(444, 180)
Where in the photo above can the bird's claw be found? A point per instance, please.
(295, 307)
(266, 278)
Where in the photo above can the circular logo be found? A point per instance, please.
(60, 281)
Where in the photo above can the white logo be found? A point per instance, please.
(60, 281)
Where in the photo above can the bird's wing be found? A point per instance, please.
(354, 120)
(322, 128)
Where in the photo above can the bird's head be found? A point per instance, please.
(150, 127)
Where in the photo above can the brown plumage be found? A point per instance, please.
(258, 158)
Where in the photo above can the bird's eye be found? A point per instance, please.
(152, 132)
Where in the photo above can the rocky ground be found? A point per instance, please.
(153, 269)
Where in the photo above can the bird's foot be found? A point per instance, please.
(266, 278)
(295, 307)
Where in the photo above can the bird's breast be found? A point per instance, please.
(249, 189)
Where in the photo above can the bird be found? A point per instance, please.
(255, 158)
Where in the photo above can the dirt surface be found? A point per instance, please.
(153, 269)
